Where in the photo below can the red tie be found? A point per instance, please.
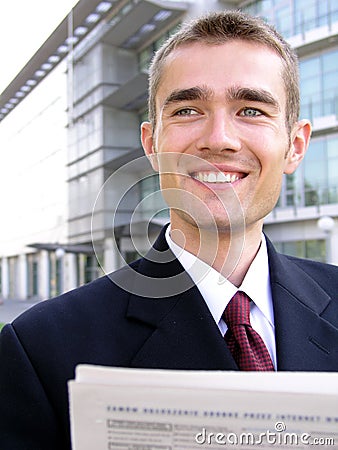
(245, 344)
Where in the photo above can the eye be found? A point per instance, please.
(251, 112)
(185, 112)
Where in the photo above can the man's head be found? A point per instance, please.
(224, 107)
(217, 29)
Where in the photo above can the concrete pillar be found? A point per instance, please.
(70, 271)
(4, 277)
(111, 256)
(22, 282)
(60, 256)
(82, 268)
(43, 275)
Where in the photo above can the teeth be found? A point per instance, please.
(215, 177)
(212, 178)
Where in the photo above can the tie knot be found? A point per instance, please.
(238, 310)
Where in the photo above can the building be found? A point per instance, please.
(77, 194)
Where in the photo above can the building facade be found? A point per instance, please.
(80, 197)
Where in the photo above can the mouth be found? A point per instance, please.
(218, 177)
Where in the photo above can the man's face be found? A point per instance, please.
(221, 133)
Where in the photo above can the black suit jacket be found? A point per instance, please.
(100, 323)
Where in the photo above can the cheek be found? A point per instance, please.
(176, 138)
(272, 167)
(271, 150)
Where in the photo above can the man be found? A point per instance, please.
(223, 108)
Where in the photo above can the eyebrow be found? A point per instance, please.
(190, 94)
(232, 94)
(252, 95)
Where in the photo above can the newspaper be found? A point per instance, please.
(145, 409)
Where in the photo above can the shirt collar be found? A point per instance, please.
(218, 291)
(256, 283)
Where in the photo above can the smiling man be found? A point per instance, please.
(212, 293)
(226, 104)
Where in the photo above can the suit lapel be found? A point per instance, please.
(305, 340)
(185, 338)
(185, 334)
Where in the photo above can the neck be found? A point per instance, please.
(229, 252)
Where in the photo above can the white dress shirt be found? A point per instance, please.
(218, 291)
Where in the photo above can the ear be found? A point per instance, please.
(147, 140)
(300, 138)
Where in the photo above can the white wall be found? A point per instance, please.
(33, 157)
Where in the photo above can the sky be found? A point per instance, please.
(24, 26)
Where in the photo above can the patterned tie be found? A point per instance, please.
(245, 344)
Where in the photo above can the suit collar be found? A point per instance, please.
(305, 340)
(285, 276)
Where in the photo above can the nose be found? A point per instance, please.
(219, 134)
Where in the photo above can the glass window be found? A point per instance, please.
(311, 249)
(333, 193)
(319, 85)
(314, 167)
(290, 190)
(310, 87)
(330, 81)
(153, 204)
(315, 173)
(305, 15)
(265, 5)
(283, 20)
(315, 250)
(333, 10)
(330, 102)
(330, 61)
(91, 268)
(293, 17)
(294, 248)
(332, 148)
(259, 7)
(332, 154)
(323, 12)
(323, 8)
(313, 108)
(309, 67)
(315, 182)
(316, 150)
(144, 58)
(316, 179)
(149, 184)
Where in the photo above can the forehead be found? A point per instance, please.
(219, 67)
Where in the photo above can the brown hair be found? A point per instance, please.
(218, 28)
